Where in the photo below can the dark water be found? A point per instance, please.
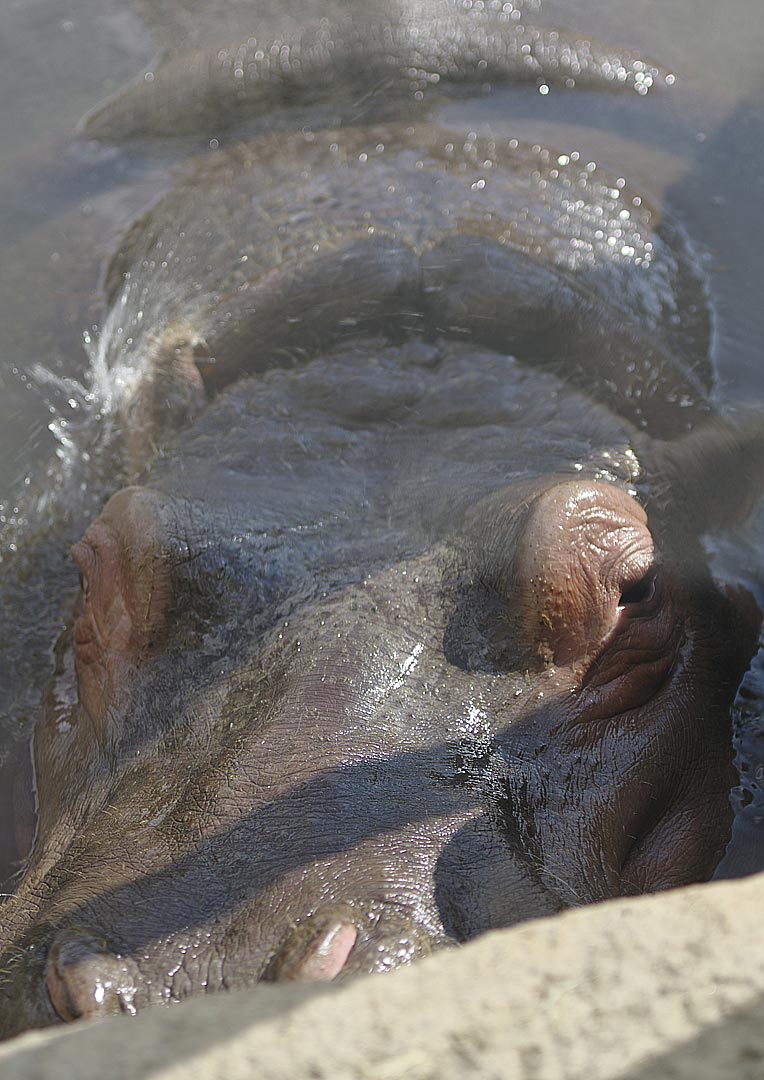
(695, 147)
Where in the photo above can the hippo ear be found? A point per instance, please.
(710, 478)
(124, 597)
(170, 394)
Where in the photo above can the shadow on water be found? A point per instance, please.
(693, 195)
(725, 170)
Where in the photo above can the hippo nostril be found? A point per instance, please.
(316, 950)
(83, 978)
(328, 956)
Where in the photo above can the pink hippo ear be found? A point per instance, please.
(124, 594)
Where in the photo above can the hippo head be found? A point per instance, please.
(388, 650)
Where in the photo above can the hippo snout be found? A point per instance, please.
(85, 976)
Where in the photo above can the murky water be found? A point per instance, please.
(696, 147)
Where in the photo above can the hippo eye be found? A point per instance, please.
(640, 592)
(85, 561)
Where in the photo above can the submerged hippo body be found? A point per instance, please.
(397, 637)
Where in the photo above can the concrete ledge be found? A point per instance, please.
(646, 989)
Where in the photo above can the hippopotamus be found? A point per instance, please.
(401, 627)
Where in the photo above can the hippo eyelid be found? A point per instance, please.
(642, 591)
(86, 561)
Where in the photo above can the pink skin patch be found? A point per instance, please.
(123, 599)
(326, 961)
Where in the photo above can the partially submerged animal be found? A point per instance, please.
(402, 629)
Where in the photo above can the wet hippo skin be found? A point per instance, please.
(220, 67)
(392, 637)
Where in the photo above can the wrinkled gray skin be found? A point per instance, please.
(402, 629)
(380, 653)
